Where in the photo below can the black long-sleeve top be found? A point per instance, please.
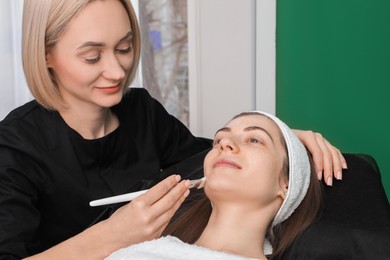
(49, 173)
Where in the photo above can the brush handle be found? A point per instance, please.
(117, 199)
(194, 184)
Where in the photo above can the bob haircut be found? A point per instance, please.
(43, 23)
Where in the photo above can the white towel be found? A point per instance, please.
(170, 248)
(299, 175)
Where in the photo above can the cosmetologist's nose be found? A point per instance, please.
(113, 70)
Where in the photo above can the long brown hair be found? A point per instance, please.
(283, 234)
(191, 220)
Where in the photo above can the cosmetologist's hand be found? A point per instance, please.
(328, 160)
(146, 217)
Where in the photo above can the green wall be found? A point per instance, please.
(333, 73)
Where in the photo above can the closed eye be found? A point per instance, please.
(124, 51)
(93, 59)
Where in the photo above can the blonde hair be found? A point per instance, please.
(43, 23)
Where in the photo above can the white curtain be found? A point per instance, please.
(13, 89)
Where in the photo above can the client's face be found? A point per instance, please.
(246, 162)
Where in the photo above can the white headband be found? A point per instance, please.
(299, 174)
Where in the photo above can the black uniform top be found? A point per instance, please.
(49, 173)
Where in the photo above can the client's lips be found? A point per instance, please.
(227, 163)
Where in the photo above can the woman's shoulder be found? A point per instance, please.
(20, 112)
(20, 117)
(26, 123)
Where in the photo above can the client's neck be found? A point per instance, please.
(235, 231)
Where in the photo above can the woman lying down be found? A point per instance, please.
(261, 192)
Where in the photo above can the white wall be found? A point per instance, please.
(223, 59)
(266, 55)
(13, 90)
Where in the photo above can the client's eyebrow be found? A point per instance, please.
(258, 128)
(129, 35)
(247, 129)
(223, 129)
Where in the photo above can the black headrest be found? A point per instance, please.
(354, 222)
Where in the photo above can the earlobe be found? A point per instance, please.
(283, 187)
(283, 192)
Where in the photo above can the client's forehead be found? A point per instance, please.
(243, 122)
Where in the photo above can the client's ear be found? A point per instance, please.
(285, 192)
(283, 187)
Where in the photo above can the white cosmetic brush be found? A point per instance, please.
(194, 184)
